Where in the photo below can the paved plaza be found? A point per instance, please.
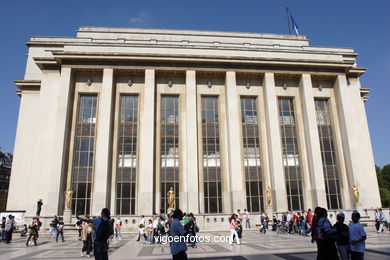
(270, 246)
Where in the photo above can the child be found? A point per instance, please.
(342, 237)
(357, 237)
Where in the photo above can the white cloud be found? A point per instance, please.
(140, 19)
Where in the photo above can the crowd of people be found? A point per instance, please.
(160, 226)
(338, 241)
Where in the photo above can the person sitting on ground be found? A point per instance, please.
(23, 232)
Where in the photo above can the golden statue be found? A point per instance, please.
(356, 193)
(68, 198)
(171, 198)
(269, 198)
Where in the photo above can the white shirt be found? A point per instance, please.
(118, 223)
(142, 221)
(155, 223)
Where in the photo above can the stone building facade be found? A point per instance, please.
(264, 122)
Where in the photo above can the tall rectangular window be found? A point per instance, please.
(126, 172)
(252, 160)
(290, 149)
(212, 176)
(169, 152)
(328, 152)
(83, 154)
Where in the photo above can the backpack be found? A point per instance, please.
(104, 231)
(196, 228)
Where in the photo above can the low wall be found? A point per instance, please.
(218, 222)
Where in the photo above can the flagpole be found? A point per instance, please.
(288, 20)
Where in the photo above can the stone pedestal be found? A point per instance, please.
(170, 210)
(269, 212)
(67, 216)
(359, 207)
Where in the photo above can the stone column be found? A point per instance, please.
(191, 158)
(356, 141)
(236, 178)
(62, 127)
(317, 184)
(103, 158)
(279, 193)
(146, 151)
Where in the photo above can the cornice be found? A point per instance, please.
(27, 85)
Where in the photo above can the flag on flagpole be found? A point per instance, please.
(294, 24)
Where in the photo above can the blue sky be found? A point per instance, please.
(363, 25)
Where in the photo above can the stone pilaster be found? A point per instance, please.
(102, 174)
(146, 153)
(316, 174)
(356, 141)
(279, 194)
(237, 181)
(191, 171)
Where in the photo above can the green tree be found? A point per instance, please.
(383, 176)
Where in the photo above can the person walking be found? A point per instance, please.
(142, 222)
(60, 230)
(79, 227)
(247, 219)
(189, 226)
(39, 207)
(87, 233)
(382, 221)
(233, 229)
(357, 237)
(9, 229)
(53, 227)
(141, 233)
(264, 223)
(103, 230)
(2, 229)
(178, 245)
(342, 237)
(325, 238)
(377, 220)
(33, 231)
(118, 228)
(313, 226)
